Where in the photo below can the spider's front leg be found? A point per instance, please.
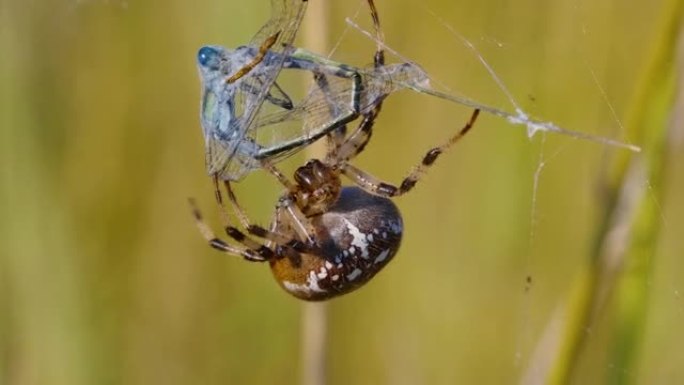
(219, 244)
(258, 58)
(341, 149)
(278, 245)
(378, 187)
(357, 141)
(256, 230)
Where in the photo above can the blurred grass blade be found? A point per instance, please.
(654, 115)
(314, 316)
(619, 268)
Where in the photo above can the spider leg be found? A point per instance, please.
(338, 132)
(256, 230)
(253, 251)
(378, 187)
(336, 136)
(379, 58)
(357, 141)
(280, 222)
(335, 118)
(268, 166)
(258, 58)
(301, 224)
(217, 243)
(264, 252)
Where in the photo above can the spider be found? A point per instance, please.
(327, 239)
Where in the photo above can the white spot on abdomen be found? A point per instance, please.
(311, 285)
(313, 282)
(354, 274)
(382, 256)
(359, 239)
(396, 227)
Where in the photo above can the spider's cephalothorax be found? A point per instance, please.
(355, 238)
(319, 187)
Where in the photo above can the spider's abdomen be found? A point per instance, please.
(357, 237)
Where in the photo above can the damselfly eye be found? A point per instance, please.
(208, 57)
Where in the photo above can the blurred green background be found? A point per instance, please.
(105, 280)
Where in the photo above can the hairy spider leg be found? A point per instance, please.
(257, 230)
(253, 250)
(291, 247)
(258, 58)
(337, 137)
(381, 188)
(301, 225)
(219, 244)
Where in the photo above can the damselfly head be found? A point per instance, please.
(209, 57)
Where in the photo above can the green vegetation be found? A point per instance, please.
(502, 278)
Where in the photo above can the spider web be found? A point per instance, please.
(476, 50)
(464, 302)
(537, 344)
